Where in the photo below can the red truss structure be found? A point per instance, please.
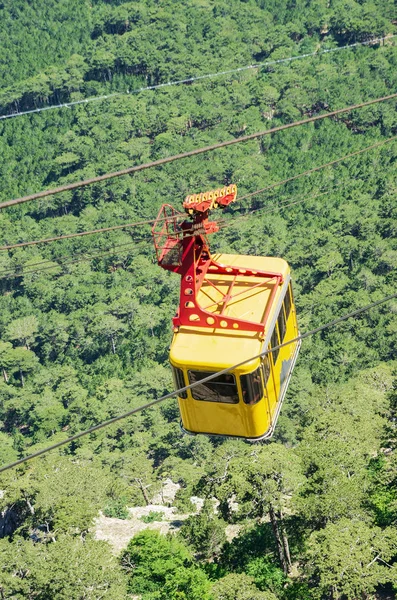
(182, 247)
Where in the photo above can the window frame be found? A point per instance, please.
(251, 395)
(275, 353)
(214, 382)
(287, 301)
(281, 318)
(178, 374)
(266, 371)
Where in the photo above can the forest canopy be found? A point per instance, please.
(85, 323)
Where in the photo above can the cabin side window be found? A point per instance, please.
(282, 324)
(252, 387)
(266, 369)
(220, 389)
(287, 302)
(280, 327)
(179, 381)
(275, 342)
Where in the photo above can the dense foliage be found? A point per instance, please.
(85, 323)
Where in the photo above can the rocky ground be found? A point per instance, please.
(118, 532)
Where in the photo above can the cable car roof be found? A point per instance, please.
(200, 348)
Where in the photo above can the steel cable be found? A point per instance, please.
(196, 78)
(189, 153)
(182, 216)
(133, 411)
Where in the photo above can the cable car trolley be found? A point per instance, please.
(231, 308)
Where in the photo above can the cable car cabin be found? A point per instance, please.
(232, 309)
(246, 401)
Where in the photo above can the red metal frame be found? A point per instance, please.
(182, 248)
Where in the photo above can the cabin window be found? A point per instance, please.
(287, 302)
(220, 389)
(266, 370)
(282, 325)
(275, 342)
(252, 387)
(179, 381)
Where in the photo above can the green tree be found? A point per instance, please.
(23, 330)
(71, 568)
(5, 358)
(7, 451)
(55, 497)
(345, 429)
(349, 559)
(262, 481)
(109, 327)
(161, 567)
(136, 468)
(239, 587)
(205, 532)
(24, 361)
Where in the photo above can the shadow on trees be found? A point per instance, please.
(249, 544)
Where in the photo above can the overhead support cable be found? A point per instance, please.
(151, 221)
(270, 209)
(197, 78)
(156, 401)
(223, 224)
(10, 273)
(68, 236)
(328, 164)
(196, 152)
(63, 260)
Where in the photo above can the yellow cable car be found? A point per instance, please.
(232, 308)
